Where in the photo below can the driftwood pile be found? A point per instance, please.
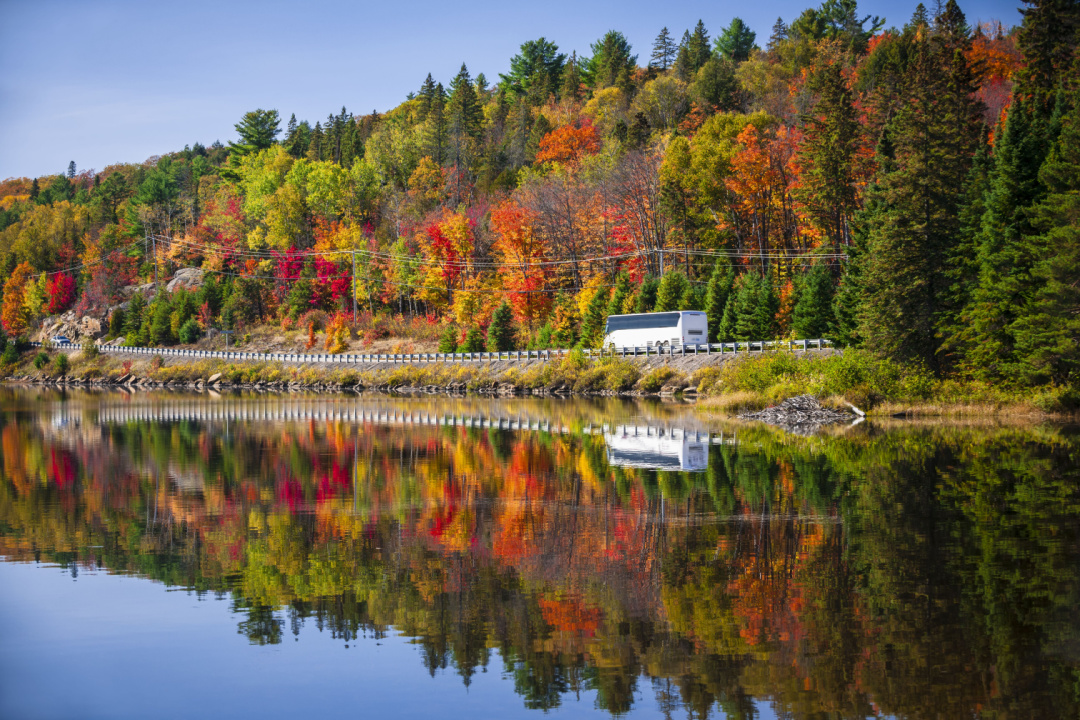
(802, 415)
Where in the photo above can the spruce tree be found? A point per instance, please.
(463, 114)
(571, 88)
(663, 51)
(812, 316)
(730, 319)
(692, 298)
(645, 300)
(500, 337)
(779, 34)
(672, 288)
(1047, 328)
(829, 154)
(620, 295)
(916, 228)
(745, 318)
(716, 295)
(736, 41)
(698, 47)
(592, 325)
(71, 170)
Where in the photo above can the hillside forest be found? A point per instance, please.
(913, 190)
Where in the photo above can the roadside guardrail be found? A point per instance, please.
(413, 358)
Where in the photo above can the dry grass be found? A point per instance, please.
(734, 403)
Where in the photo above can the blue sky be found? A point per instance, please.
(121, 80)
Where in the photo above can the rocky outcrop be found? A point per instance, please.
(74, 328)
(187, 278)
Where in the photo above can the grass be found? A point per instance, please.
(870, 383)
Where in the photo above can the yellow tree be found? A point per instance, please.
(15, 315)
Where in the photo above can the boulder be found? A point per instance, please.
(187, 278)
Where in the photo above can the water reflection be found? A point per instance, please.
(621, 549)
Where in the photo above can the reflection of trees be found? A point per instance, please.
(916, 573)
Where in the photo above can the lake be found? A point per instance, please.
(193, 555)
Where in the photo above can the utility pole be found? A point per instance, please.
(154, 238)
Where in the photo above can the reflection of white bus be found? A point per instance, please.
(657, 448)
(684, 327)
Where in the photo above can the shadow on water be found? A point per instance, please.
(602, 545)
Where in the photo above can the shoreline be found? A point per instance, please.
(684, 379)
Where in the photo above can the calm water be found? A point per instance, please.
(196, 556)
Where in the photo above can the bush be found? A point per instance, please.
(656, 379)
(156, 362)
(90, 349)
(10, 355)
(61, 364)
(41, 360)
(190, 331)
(474, 341)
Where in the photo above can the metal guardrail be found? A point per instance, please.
(413, 358)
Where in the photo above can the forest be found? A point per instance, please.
(909, 190)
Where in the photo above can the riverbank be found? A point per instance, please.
(723, 385)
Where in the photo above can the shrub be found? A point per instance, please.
(474, 341)
(337, 334)
(90, 349)
(656, 379)
(61, 364)
(10, 355)
(190, 331)
(41, 360)
(156, 362)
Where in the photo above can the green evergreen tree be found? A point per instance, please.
(692, 298)
(829, 154)
(474, 341)
(159, 326)
(663, 51)
(134, 319)
(611, 59)
(1047, 329)
(742, 324)
(916, 228)
(571, 88)
(500, 335)
(673, 286)
(716, 295)
(448, 340)
(736, 41)
(592, 325)
(646, 295)
(538, 65)
(812, 316)
(619, 296)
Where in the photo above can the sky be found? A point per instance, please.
(112, 81)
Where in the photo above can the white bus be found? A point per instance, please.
(683, 327)
(657, 448)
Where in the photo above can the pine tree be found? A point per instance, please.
(645, 300)
(663, 51)
(464, 116)
(473, 342)
(1048, 39)
(500, 337)
(745, 321)
(71, 170)
(730, 319)
(691, 298)
(426, 96)
(315, 147)
(716, 295)
(698, 47)
(829, 156)
(1047, 329)
(779, 34)
(592, 325)
(611, 59)
(934, 134)
(672, 287)
(812, 316)
(684, 60)
(571, 89)
(621, 294)
(736, 42)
